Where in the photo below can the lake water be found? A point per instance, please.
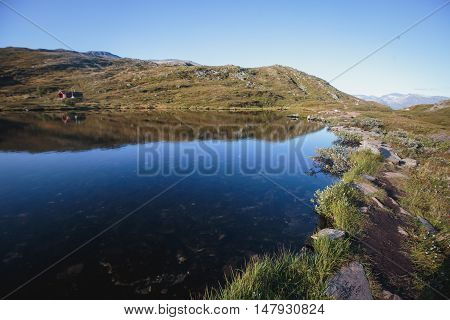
(179, 199)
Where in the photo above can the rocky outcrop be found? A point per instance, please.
(366, 187)
(349, 283)
(408, 163)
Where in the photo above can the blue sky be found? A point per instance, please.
(322, 38)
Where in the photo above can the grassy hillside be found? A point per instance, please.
(420, 119)
(32, 78)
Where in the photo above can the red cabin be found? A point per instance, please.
(69, 94)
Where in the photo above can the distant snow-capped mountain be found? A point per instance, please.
(400, 101)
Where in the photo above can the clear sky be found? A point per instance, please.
(322, 38)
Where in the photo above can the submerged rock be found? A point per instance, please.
(349, 283)
(331, 234)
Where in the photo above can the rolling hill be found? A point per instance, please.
(32, 78)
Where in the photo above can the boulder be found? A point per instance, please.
(402, 231)
(331, 234)
(367, 177)
(364, 209)
(403, 211)
(408, 163)
(394, 175)
(387, 295)
(366, 187)
(372, 145)
(378, 203)
(393, 202)
(430, 229)
(390, 155)
(349, 283)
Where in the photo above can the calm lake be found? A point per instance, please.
(153, 206)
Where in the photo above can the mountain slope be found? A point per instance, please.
(102, 54)
(33, 77)
(400, 101)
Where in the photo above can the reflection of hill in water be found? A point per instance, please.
(39, 132)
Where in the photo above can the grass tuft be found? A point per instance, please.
(338, 203)
(362, 162)
(285, 275)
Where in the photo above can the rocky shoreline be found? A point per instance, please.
(384, 246)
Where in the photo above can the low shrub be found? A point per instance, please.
(409, 145)
(349, 139)
(371, 124)
(333, 160)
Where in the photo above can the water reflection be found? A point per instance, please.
(53, 201)
(40, 132)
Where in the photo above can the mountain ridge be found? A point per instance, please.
(400, 101)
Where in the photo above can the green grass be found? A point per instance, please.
(286, 275)
(427, 192)
(362, 162)
(338, 203)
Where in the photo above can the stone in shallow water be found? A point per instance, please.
(349, 283)
(331, 234)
